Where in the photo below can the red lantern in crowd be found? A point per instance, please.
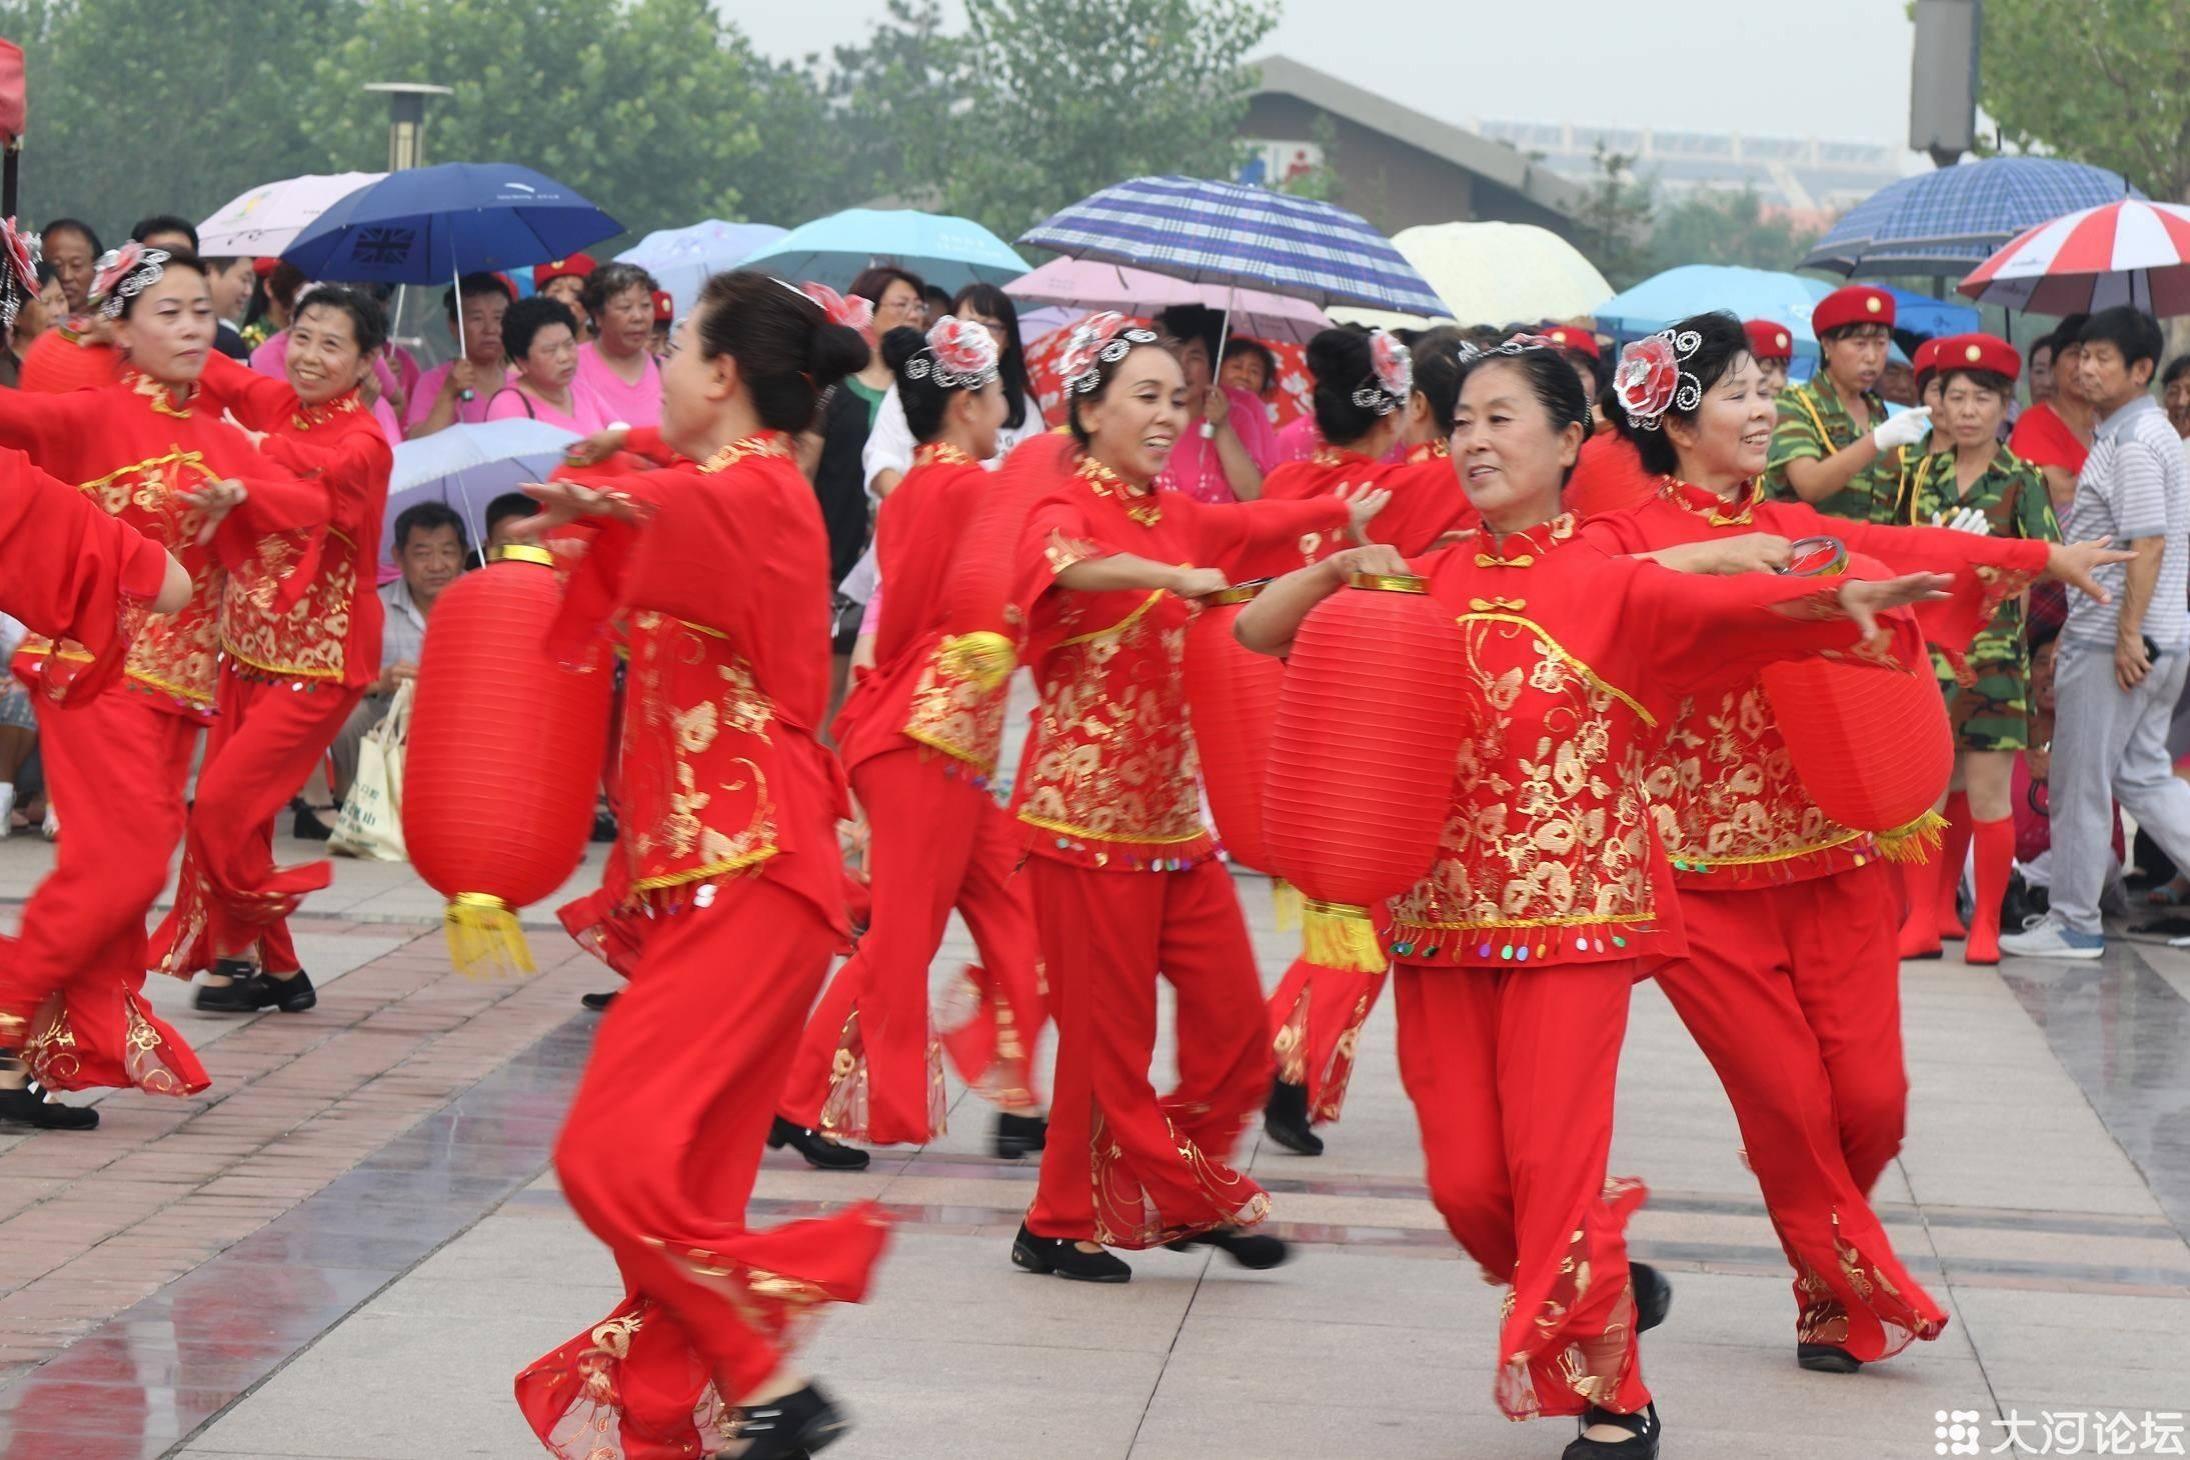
(1369, 726)
(1870, 742)
(1232, 700)
(504, 757)
(58, 363)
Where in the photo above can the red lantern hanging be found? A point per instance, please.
(1368, 729)
(1870, 741)
(504, 757)
(1231, 701)
(58, 362)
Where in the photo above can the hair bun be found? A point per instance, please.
(836, 352)
(900, 345)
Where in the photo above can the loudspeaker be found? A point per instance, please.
(1943, 78)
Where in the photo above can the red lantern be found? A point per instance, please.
(58, 363)
(1871, 743)
(504, 757)
(1232, 700)
(1369, 726)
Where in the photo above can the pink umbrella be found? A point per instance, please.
(2130, 252)
(1082, 284)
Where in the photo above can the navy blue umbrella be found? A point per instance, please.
(1951, 220)
(434, 223)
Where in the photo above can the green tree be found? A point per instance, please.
(1615, 218)
(648, 107)
(2101, 81)
(891, 111)
(1726, 228)
(175, 107)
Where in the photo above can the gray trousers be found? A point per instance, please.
(2110, 744)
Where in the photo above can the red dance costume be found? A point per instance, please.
(117, 763)
(1550, 893)
(1792, 981)
(729, 806)
(68, 570)
(1123, 873)
(919, 736)
(1316, 1013)
(288, 681)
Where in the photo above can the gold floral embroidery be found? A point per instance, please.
(765, 443)
(311, 639)
(956, 713)
(940, 453)
(1726, 793)
(1709, 505)
(1142, 506)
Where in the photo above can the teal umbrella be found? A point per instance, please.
(948, 252)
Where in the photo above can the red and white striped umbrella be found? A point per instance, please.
(2130, 252)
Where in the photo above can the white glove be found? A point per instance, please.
(1969, 519)
(1906, 429)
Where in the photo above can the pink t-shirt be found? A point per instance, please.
(634, 405)
(1195, 468)
(587, 413)
(470, 412)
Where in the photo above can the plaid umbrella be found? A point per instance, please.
(1951, 220)
(1248, 238)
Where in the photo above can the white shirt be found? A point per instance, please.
(890, 443)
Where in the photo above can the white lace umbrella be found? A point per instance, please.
(268, 218)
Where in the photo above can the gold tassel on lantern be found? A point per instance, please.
(1285, 904)
(1912, 841)
(485, 938)
(1340, 935)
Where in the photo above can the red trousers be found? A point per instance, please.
(658, 1159)
(231, 901)
(1511, 1073)
(1315, 1021)
(1794, 994)
(1121, 1167)
(869, 1068)
(116, 766)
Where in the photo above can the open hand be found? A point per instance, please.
(597, 448)
(1362, 504)
(1863, 599)
(216, 500)
(562, 503)
(2072, 563)
(1195, 582)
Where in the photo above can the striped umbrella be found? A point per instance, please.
(2131, 252)
(1247, 238)
(1948, 220)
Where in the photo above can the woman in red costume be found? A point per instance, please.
(1124, 876)
(920, 734)
(1791, 983)
(1551, 892)
(1369, 394)
(68, 570)
(147, 451)
(288, 681)
(719, 568)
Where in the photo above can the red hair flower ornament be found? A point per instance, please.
(123, 273)
(1391, 375)
(1099, 340)
(960, 355)
(1649, 380)
(855, 312)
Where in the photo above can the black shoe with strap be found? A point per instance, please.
(1653, 1295)
(292, 995)
(1826, 1358)
(1642, 1436)
(1285, 1119)
(240, 995)
(1062, 1257)
(599, 1003)
(1019, 1135)
(821, 1153)
(29, 1104)
(1248, 1249)
(787, 1428)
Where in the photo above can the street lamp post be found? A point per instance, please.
(407, 120)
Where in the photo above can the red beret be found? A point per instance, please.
(1770, 340)
(665, 306)
(1855, 304)
(1926, 358)
(1978, 352)
(1573, 337)
(577, 266)
(265, 264)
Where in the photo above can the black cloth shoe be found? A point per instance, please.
(1825, 1358)
(604, 826)
(291, 995)
(307, 826)
(1641, 1444)
(1653, 1295)
(30, 1105)
(1285, 1119)
(1248, 1249)
(789, 1428)
(821, 1153)
(599, 1003)
(240, 995)
(1062, 1257)
(1019, 1135)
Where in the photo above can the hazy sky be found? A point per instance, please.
(1816, 68)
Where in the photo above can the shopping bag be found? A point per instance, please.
(371, 822)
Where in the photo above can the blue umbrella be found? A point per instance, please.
(1951, 220)
(948, 252)
(1224, 233)
(1920, 314)
(433, 223)
(682, 259)
(1694, 288)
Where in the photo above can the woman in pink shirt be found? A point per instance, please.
(1223, 456)
(540, 336)
(616, 364)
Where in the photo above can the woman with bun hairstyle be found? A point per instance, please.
(718, 569)
(1550, 891)
(1791, 979)
(1123, 875)
(919, 735)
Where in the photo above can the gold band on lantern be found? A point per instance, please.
(1388, 582)
(525, 552)
(1237, 593)
(1835, 564)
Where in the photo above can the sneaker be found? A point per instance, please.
(2052, 938)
